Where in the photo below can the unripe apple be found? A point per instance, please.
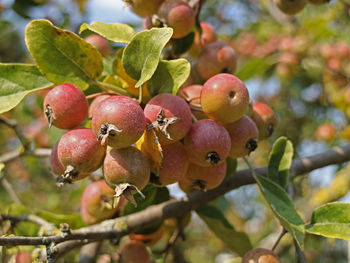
(134, 252)
(65, 106)
(207, 143)
(178, 15)
(144, 8)
(203, 178)
(260, 255)
(215, 58)
(97, 201)
(291, 7)
(100, 43)
(170, 116)
(127, 170)
(265, 119)
(192, 94)
(94, 104)
(244, 136)
(80, 153)
(224, 98)
(118, 121)
(325, 132)
(207, 36)
(174, 164)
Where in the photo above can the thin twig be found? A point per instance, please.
(14, 126)
(300, 256)
(25, 218)
(10, 156)
(284, 231)
(8, 187)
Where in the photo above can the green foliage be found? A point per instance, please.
(120, 33)
(280, 161)
(141, 56)
(17, 81)
(237, 241)
(62, 56)
(331, 220)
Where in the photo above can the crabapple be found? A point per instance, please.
(203, 178)
(265, 119)
(207, 143)
(291, 7)
(127, 170)
(178, 15)
(215, 58)
(134, 251)
(174, 164)
(260, 255)
(224, 98)
(94, 104)
(325, 132)
(80, 153)
(97, 201)
(100, 43)
(118, 121)
(207, 36)
(144, 8)
(170, 116)
(192, 95)
(148, 239)
(244, 136)
(20, 257)
(65, 106)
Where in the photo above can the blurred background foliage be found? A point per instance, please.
(299, 65)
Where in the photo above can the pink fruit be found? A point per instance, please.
(134, 252)
(174, 164)
(95, 103)
(207, 143)
(192, 95)
(100, 43)
(80, 153)
(127, 170)
(244, 136)
(265, 119)
(260, 255)
(118, 121)
(224, 98)
(65, 106)
(97, 201)
(325, 132)
(207, 36)
(203, 178)
(178, 15)
(170, 116)
(215, 58)
(144, 7)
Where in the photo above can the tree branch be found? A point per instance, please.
(175, 208)
(10, 156)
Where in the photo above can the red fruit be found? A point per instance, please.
(244, 136)
(203, 178)
(95, 103)
(207, 36)
(170, 115)
(178, 15)
(20, 257)
(207, 143)
(325, 132)
(192, 95)
(174, 164)
(224, 98)
(87, 218)
(216, 58)
(119, 121)
(127, 170)
(260, 255)
(65, 106)
(144, 7)
(265, 119)
(134, 252)
(80, 153)
(148, 239)
(97, 201)
(100, 43)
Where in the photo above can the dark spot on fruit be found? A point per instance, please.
(251, 145)
(213, 158)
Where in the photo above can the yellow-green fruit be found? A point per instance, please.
(290, 7)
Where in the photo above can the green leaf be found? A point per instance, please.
(216, 221)
(74, 220)
(254, 67)
(280, 161)
(120, 33)
(62, 56)
(141, 56)
(169, 76)
(331, 220)
(181, 45)
(283, 207)
(231, 166)
(17, 81)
